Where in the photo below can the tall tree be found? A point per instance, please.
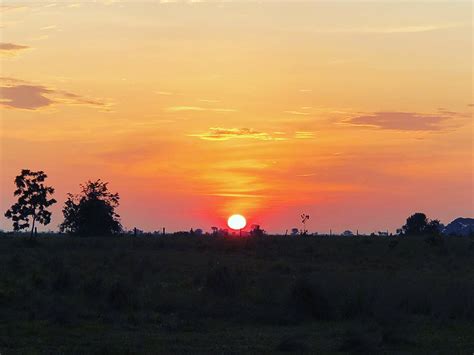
(419, 224)
(33, 200)
(92, 212)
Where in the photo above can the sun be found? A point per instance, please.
(236, 222)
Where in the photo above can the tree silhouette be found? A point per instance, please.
(304, 219)
(92, 212)
(256, 231)
(419, 224)
(33, 200)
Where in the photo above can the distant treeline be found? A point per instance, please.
(92, 212)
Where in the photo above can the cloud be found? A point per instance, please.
(185, 108)
(28, 97)
(224, 194)
(39, 38)
(392, 30)
(299, 113)
(304, 135)
(223, 134)
(5, 8)
(404, 121)
(208, 101)
(198, 108)
(11, 49)
(51, 27)
(19, 94)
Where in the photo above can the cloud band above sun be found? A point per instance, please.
(223, 134)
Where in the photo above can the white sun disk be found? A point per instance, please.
(236, 222)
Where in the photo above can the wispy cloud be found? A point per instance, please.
(208, 101)
(392, 30)
(198, 108)
(404, 121)
(306, 175)
(39, 38)
(20, 94)
(244, 195)
(298, 113)
(46, 28)
(304, 135)
(5, 8)
(223, 134)
(11, 49)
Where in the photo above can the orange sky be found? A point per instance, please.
(356, 113)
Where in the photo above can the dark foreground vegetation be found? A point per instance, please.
(250, 295)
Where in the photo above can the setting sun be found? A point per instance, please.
(236, 222)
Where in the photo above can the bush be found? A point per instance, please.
(293, 344)
(360, 341)
(224, 282)
(308, 298)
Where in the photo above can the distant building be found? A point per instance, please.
(347, 233)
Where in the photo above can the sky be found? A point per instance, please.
(356, 113)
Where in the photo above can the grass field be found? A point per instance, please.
(250, 295)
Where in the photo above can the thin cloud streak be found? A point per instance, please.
(223, 134)
(198, 108)
(298, 113)
(404, 121)
(390, 30)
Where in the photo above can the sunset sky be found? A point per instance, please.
(356, 113)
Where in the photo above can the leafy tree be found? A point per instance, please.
(419, 224)
(434, 227)
(92, 212)
(33, 200)
(256, 231)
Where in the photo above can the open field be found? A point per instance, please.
(249, 295)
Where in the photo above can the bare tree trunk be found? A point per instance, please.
(33, 227)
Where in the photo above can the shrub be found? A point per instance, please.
(223, 282)
(310, 299)
(293, 344)
(360, 341)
